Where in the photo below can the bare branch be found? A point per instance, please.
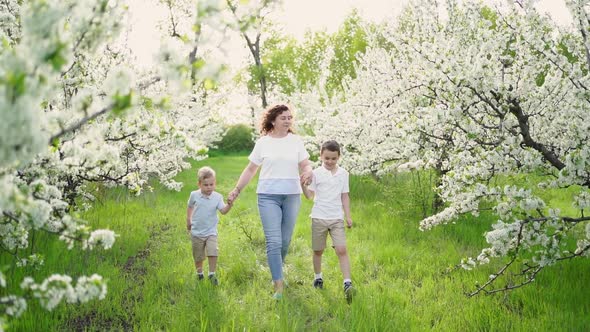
(523, 122)
(79, 124)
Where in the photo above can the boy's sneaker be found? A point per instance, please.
(200, 276)
(277, 296)
(348, 291)
(213, 280)
(318, 283)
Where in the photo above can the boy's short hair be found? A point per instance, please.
(205, 172)
(331, 146)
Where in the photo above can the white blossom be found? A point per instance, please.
(103, 237)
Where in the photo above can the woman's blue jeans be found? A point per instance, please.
(278, 214)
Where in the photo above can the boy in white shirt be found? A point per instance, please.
(202, 219)
(331, 206)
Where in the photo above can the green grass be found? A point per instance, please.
(397, 269)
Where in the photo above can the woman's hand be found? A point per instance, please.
(305, 178)
(306, 172)
(233, 195)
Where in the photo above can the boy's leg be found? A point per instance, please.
(339, 241)
(212, 264)
(199, 267)
(212, 252)
(342, 254)
(345, 268)
(319, 233)
(317, 261)
(198, 249)
(318, 281)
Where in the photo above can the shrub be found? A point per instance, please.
(238, 138)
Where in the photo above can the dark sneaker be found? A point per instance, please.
(348, 291)
(213, 280)
(200, 276)
(318, 283)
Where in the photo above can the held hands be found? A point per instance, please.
(233, 195)
(305, 178)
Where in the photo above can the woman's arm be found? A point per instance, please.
(247, 175)
(309, 194)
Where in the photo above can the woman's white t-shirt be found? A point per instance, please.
(280, 158)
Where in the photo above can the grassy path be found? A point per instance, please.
(398, 271)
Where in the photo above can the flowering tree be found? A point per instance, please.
(73, 113)
(250, 19)
(482, 92)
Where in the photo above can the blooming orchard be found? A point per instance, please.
(76, 112)
(485, 94)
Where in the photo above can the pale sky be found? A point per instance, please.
(297, 16)
(300, 15)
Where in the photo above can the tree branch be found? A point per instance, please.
(523, 123)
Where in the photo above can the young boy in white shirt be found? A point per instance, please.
(331, 207)
(202, 219)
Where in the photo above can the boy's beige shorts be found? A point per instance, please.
(204, 246)
(320, 229)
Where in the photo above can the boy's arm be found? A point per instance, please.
(346, 207)
(226, 208)
(189, 214)
(309, 194)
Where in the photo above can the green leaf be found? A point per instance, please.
(540, 79)
(148, 103)
(57, 58)
(563, 50)
(121, 103)
(209, 84)
(198, 64)
(55, 142)
(16, 84)
(490, 15)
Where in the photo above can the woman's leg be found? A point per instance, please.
(271, 214)
(290, 207)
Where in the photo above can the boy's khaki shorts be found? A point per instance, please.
(320, 229)
(204, 246)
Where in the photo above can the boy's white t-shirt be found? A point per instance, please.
(328, 189)
(280, 158)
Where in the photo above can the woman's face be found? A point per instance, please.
(283, 121)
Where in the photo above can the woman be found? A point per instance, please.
(281, 155)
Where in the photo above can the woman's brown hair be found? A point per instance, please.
(270, 115)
